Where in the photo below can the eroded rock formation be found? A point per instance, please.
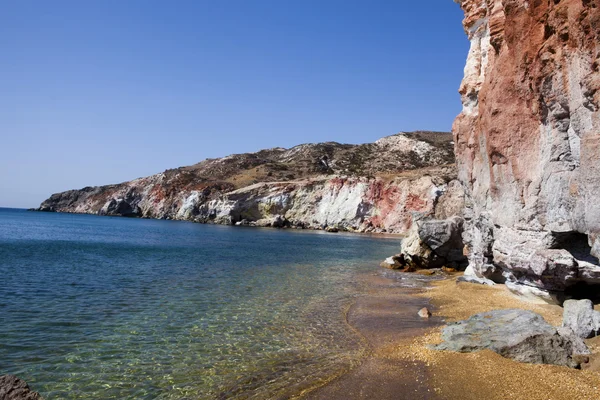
(528, 143)
(375, 187)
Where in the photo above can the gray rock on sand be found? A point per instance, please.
(517, 334)
(579, 315)
(13, 388)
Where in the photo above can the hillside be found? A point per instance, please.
(366, 187)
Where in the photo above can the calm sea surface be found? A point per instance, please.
(113, 308)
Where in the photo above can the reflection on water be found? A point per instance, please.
(114, 308)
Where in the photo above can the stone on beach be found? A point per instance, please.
(424, 313)
(579, 315)
(517, 334)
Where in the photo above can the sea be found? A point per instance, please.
(98, 307)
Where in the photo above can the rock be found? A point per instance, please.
(528, 142)
(449, 270)
(518, 334)
(424, 313)
(119, 207)
(13, 388)
(434, 243)
(332, 229)
(474, 279)
(394, 262)
(578, 345)
(452, 202)
(280, 222)
(580, 317)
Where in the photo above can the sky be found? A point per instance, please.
(100, 92)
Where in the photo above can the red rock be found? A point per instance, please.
(528, 138)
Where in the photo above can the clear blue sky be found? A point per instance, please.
(98, 92)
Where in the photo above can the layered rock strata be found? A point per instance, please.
(528, 144)
(375, 187)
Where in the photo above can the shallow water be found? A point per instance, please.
(99, 307)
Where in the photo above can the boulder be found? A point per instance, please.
(580, 317)
(13, 388)
(435, 243)
(517, 334)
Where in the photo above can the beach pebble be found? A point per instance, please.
(424, 313)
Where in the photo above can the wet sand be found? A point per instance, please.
(400, 366)
(386, 318)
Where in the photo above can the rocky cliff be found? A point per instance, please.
(528, 144)
(373, 187)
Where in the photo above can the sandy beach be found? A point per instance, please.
(401, 366)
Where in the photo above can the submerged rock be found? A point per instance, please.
(517, 334)
(13, 388)
(580, 317)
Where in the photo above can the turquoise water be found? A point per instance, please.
(114, 308)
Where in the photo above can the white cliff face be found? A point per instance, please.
(527, 143)
(355, 204)
(341, 203)
(346, 203)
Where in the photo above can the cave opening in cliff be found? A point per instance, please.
(577, 244)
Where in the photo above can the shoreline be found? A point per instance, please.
(385, 317)
(401, 366)
(340, 230)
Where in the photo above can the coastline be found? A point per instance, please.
(339, 229)
(401, 366)
(386, 318)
